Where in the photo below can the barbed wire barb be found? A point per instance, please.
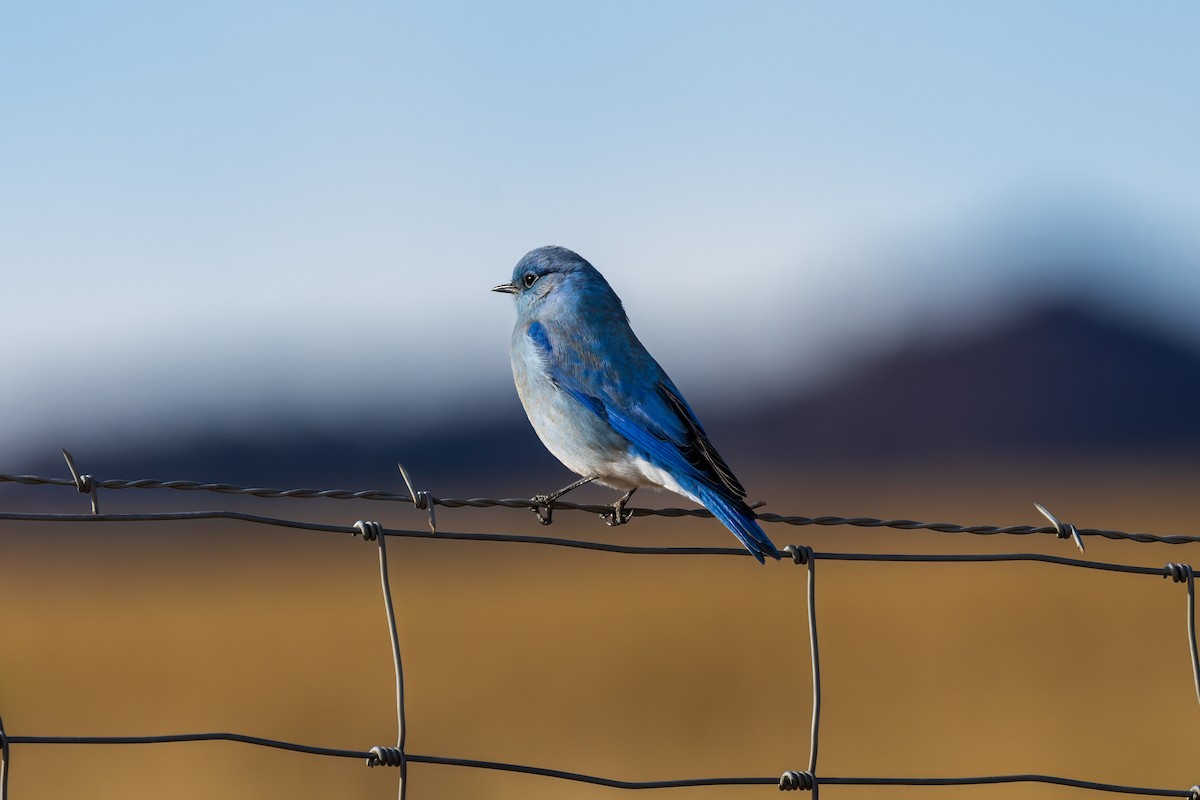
(84, 483)
(420, 500)
(1064, 530)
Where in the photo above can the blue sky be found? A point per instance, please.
(227, 210)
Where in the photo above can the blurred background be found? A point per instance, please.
(924, 260)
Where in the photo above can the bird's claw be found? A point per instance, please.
(545, 513)
(618, 515)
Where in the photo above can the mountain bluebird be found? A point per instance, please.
(602, 405)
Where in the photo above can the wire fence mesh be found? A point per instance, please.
(397, 756)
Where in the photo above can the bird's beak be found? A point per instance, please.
(506, 288)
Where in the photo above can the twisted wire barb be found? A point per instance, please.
(521, 502)
(84, 483)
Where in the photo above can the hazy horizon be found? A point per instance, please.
(290, 213)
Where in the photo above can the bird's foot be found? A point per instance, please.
(618, 515)
(614, 518)
(542, 507)
(542, 503)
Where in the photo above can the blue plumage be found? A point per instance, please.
(601, 403)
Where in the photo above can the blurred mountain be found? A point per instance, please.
(1060, 380)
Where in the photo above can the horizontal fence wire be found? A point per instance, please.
(801, 555)
(580, 544)
(595, 780)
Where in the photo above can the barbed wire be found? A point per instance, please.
(397, 756)
(425, 501)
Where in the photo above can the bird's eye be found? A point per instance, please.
(529, 279)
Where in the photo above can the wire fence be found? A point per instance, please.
(397, 756)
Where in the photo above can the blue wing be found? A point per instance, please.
(637, 399)
(644, 406)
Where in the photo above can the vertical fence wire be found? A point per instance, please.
(386, 756)
(816, 664)
(792, 779)
(1191, 625)
(1183, 573)
(401, 728)
(4, 757)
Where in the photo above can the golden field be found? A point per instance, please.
(634, 667)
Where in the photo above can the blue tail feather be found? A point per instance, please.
(739, 518)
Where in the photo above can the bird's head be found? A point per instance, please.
(540, 272)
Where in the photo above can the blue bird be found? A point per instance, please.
(602, 405)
